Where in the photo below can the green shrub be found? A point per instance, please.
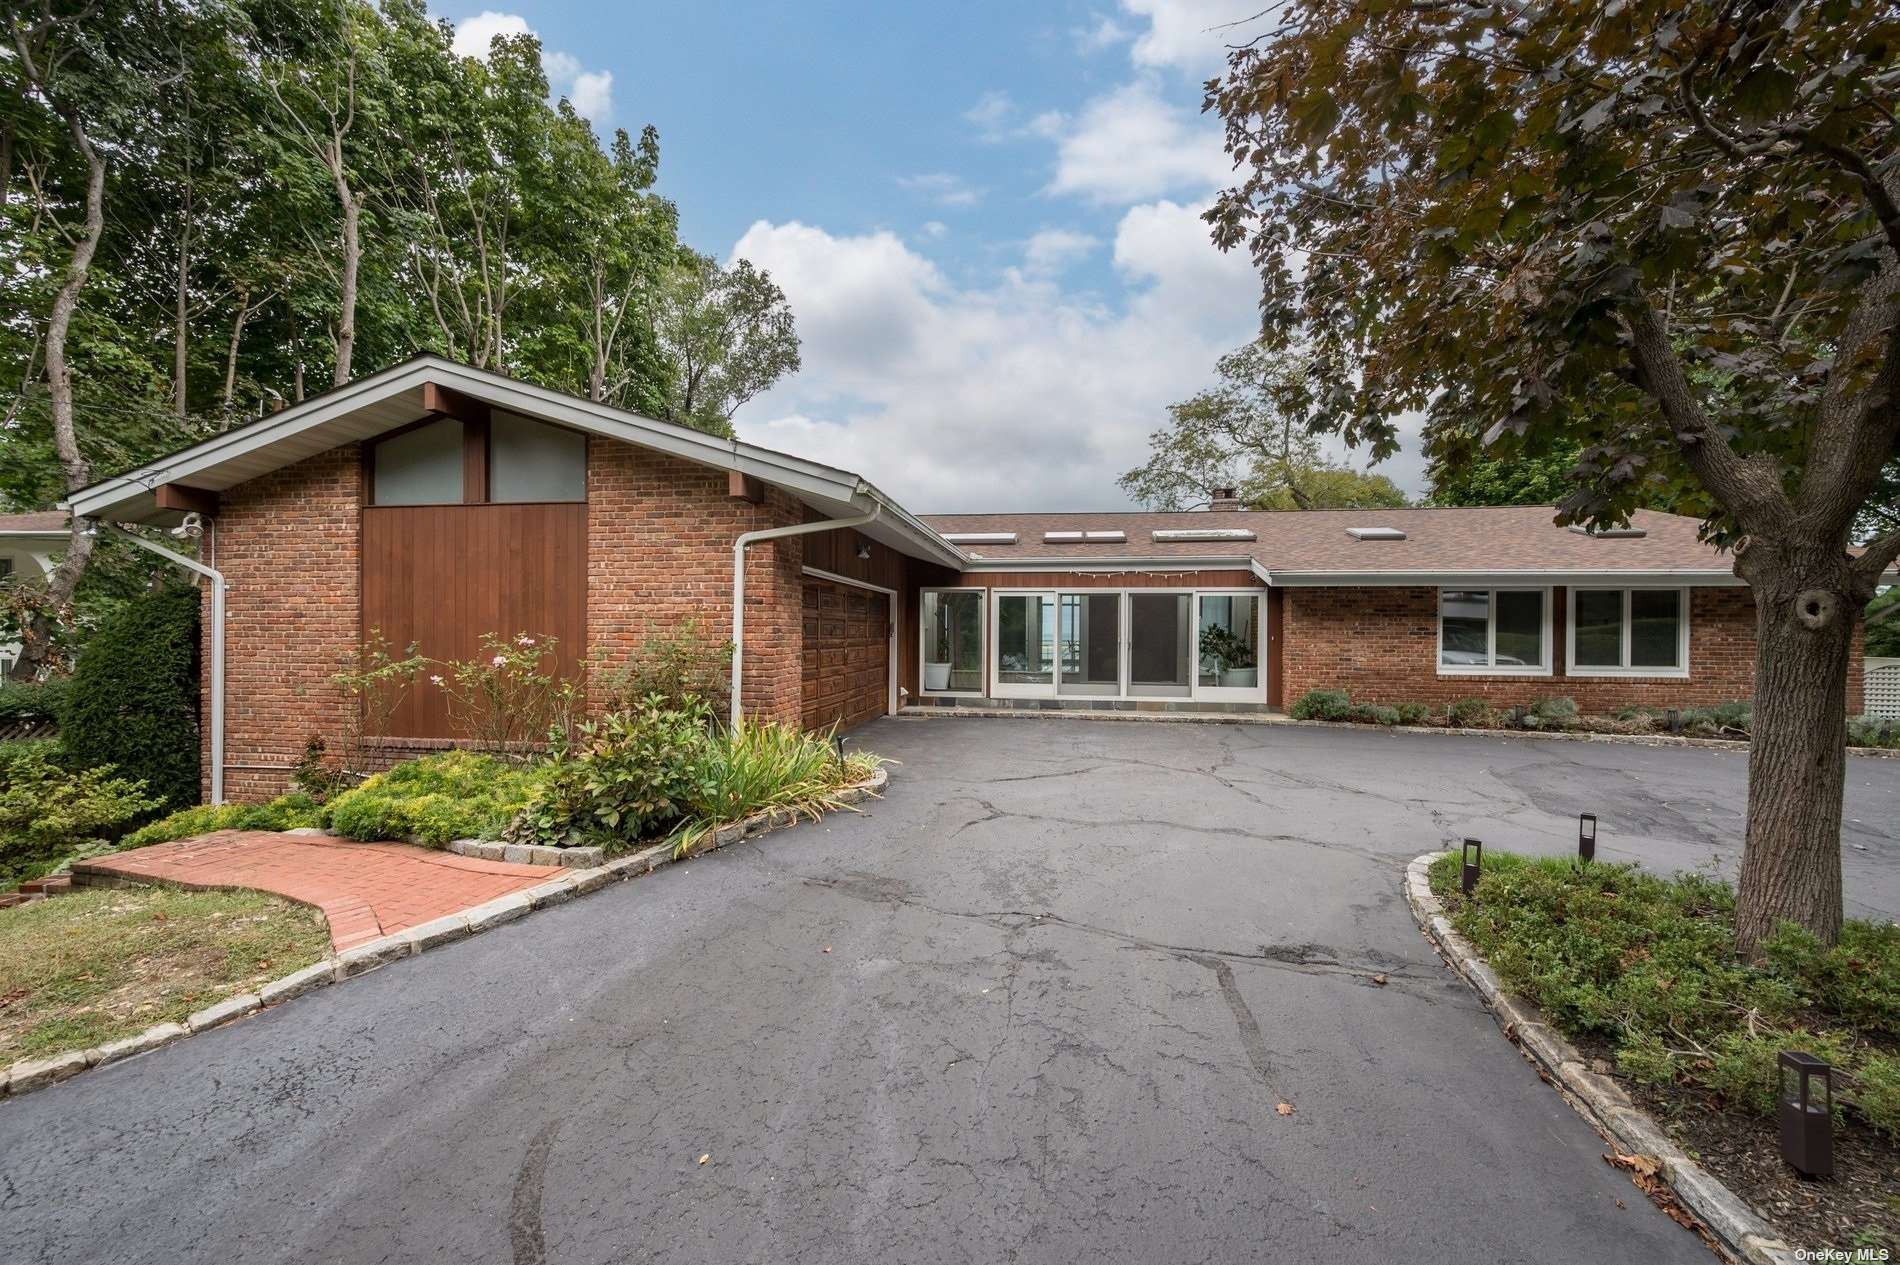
(1375, 714)
(287, 812)
(1322, 705)
(455, 795)
(763, 765)
(1412, 713)
(41, 701)
(676, 666)
(50, 814)
(629, 776)
(1873, 731)
(1648, 963)
(1468, 713)
(134, 696)
(1554, 713)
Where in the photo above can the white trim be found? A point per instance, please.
(980, 537)
(1546, 651)
(993, 668)
(897, 618)
(1116, 562)
(1679, 673)
(982, 637)
(1603, 577)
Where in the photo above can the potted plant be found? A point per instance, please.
(937, 666)
(1233, 659)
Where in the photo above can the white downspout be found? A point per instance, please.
(217, 648)
(738, 580)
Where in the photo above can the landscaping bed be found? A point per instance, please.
(1732, 721)
(1639, 972)
(94, 966)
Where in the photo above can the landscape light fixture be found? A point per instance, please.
(1674, 717)
(1807, 1123)
(1474, 856)
(1586, 836)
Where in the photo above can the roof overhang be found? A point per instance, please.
(1149, 562)
(1491, 579)
(383, 401)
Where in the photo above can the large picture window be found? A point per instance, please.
(1629, 632)
(1494, 631)
(953, 641)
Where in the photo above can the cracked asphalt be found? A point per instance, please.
(1073, 967)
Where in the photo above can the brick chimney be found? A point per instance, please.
(1224, 499)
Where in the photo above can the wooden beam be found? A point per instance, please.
(744, 487)
(186, 500)
(444, 402)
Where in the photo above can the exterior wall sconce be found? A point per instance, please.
(1474, 857)
(1807, 1124)
(864, 552)
(1586, 837)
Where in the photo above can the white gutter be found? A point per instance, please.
(738, 580)
(217, 649)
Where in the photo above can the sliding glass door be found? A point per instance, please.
(1091, 643)
(1025, 640)
(1126, 643)
(1160, 656)
(1228, 643)
(952, 652)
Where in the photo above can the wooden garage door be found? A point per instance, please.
(847, 654)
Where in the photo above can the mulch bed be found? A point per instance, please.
(1858, 1208)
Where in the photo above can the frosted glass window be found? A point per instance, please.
(421, 467)
(532, 461)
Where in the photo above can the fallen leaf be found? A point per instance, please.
(704, 1158)
(1379, 980)
(1285, 1108)
(827, 948)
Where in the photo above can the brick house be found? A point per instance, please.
(434, 503)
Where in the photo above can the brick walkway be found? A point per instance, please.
(366, 890)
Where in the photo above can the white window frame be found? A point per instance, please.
(1255, 693)
(992, 646)
(1546, 652)
(1678, 673)
(982, 636)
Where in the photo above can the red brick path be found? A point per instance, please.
(365, 890)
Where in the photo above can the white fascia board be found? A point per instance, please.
(1454, 579)
(1150, 563)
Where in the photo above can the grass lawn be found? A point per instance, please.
(94, 966)
(1640, 972)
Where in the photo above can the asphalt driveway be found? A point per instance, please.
(1038, 1004)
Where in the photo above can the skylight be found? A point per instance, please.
(1203, 533)
(1375, 533)
(1609, 533)
(1077, 537)
(980, 537)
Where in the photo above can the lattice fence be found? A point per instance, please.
(1883, 690)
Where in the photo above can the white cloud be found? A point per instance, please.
(934, 229)
(942, 187)
(590, 91)
(1053, 249)
(1020, 395)
(1132, 145)
(1189, 35)
(992, 115)
(1106, 32)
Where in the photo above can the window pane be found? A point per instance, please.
(1520, 629)
(1091, 643)
(1026, 639)
(532, 461)
(953, 641)
(421, 467)
(1465, 618)
(1599, 634)
(1229, 642)
(1655, 628)
(1159, 644)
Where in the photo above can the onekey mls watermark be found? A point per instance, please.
(1845, 1255)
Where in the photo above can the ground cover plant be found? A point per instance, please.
(98, 965)
(1644, 969)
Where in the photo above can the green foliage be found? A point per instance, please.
(50, 814)
(728, 333)
(511, 695)
(1648, 963)
(1222, 644)
(1883, 625)
(626, 777)
(1412, 713)
(1468, 713)
(1873, 731)
(316, 774)
(455, 795)
(1322, 705)
(1464, 478)
(676, 666)
(1250, 433)
(287, 812)
(41, 701)
(372, 686)
(762, 764)
(134, 697)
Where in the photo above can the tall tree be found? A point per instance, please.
(729, 334)
(1666, 232)
(1251, 433)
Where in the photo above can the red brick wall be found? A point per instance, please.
(660, 532)
(288, 544)
(1381, 646)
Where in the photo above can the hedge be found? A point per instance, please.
(134, 696)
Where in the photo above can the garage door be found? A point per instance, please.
(847, 654)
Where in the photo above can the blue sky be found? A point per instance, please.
(985, 217)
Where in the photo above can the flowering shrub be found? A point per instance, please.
(511, 696)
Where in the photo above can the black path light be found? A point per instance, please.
(1586, 836)
(1474, 857)
(1807, 1122)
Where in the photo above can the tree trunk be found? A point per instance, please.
(181, 327)
(1797, 761)
(346, 298)
(231, 355)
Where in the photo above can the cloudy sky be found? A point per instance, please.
(985, 215)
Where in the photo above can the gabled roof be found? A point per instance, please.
(50, 524)
(383, 401)
(1310, 547)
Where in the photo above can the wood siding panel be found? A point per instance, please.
(440, 576)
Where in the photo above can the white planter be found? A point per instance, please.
(1239, 678)
(936, 676)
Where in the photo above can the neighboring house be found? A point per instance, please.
(433, 503)
(30, 545)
